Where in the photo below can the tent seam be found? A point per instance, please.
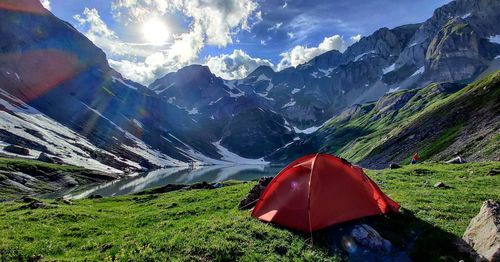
(309, 193)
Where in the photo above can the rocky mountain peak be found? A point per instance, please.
(262, 70)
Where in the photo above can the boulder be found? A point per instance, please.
(202, 185)
(94, 197)
(49, 159)
(28, 199)
(394, 166)
(36, 205)
(17, 150)
(255, 193)
(33, 203)
(440, 185)
(483, 232)
(366, 236)
(493, 172)
(163, 189)
(360, 242)
(456, 160)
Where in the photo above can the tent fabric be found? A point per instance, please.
(317, 191)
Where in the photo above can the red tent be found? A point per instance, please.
(320, 190)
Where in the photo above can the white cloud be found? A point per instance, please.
(213, 23)
(216, 19)
(356, 38)
(302, 54)
(236, 65)
(91, 19)
(46, 4)
(275, 27)
(94, 28)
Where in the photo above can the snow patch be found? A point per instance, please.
(137, 123)
(171, 100)
(289, 104)
(232, 95)
(327, 72)
(265, 96)
(164, 89)
(420, 71)
(231, 84)
(306, 131)
(315, 75)
(392, 90)
(466, 15)
(215, 102)
(234, 158)
(269, 87)
(389, 68)
(359, 57)
(262, 77)
(193, 111)
(309, 130)
(495, 39)
(115, 79)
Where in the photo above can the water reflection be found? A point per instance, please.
(179, 175)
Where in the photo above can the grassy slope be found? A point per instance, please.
(205, 225)
(41, 177)
(28, 166)
(357, 138)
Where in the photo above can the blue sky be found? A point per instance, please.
(232, 37)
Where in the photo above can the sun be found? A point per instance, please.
(155, 31)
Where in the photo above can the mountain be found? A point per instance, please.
(60, 97)
(57, 71)
(440, 121)
(456, 45)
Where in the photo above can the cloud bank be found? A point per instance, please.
(213, 23)
(301, 54)
(236, 65)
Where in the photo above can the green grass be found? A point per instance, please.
(441, 143)
(205, 225)
(29, 166)
(17, 164)
(199, 225)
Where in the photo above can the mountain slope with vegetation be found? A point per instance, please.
(439, 121)
(465, 124)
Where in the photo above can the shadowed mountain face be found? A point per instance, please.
(52, 67)
(194, 116)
